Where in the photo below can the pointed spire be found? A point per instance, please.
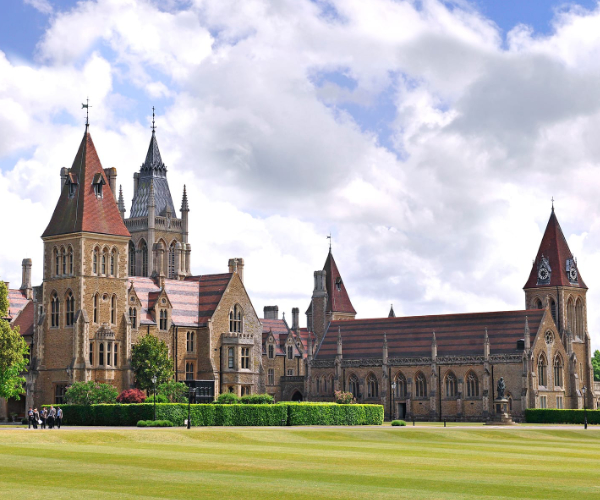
(82, 206)
(339, 342)
(527, 334)
(385, 349)
(486, 345)
(392, 314)
(184, 201)
(433, 347)
(486, 339)
(121, 202)
(338, 300)
(554, 264)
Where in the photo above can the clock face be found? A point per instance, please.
(543, 274)
(573, 274)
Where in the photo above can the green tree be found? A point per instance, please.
(149, 357)
(175, 392)
(91, 393)
(596, 365)
(14, 353)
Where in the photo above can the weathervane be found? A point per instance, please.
(552, 203)
(87, 107)
(329, 238)
(153, 125)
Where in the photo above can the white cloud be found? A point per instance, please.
(449, 221)
(43, 6)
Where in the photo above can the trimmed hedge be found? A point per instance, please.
(398, 423)
(553, 416)
(225, 415)
(333, 414)
(155, 423)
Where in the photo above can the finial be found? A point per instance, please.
(153, 125)
(87, 107)
(486, 338)
(329, 238)
(184, 202)
(121, 200)
(434, 341)
(553, 204)
(392, 313)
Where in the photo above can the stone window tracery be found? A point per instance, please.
(189, 371)
(420, 386)
(451, 385)
(69, 309)
(372, 386)
(472, 385)
(271, 376)
(558, 371)
(542, 367)
(400, 386)
(235, 319)
(353, 385)
(190, 341)
(245, 358)
(55, 311)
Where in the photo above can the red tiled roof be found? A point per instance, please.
(25, 320)
(194, 300)
(338, 300)
(84, 211)
(17, 300)
(280, 331)
(554, 247)
(456, 334)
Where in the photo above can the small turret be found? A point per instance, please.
(339, 344)
(527, 336)
(385, 349)
(433, 347)
(486, 345)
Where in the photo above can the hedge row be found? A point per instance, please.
(225, 415)
(552, 416)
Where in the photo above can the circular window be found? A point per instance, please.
(164, 301)
(549, 338)
(105, 296)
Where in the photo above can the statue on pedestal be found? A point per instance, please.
(501, 388)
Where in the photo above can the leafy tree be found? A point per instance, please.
(150, 356)
(596, 365)
(175, 392)
(90, 393)
(227, 398)
(14, 353)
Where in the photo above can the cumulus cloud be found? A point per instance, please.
(268, 119)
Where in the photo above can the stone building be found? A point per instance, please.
(102, 290)
(447, 366)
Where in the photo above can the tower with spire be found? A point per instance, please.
(330, 300)
(82, 333)
(159, 244)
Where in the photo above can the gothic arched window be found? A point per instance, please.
(190, 342)
(571, 321)
(235, 319)
(451, 385)
(71, 261)
(131, 254)
(133, 317)
(271, 351)
(420, 386)
(400, 386)
(95, 307)
(69, 309)
(472, 385)
(542, 366)
(144, 251)
(113, 262)
(95, 257)
(558, 371)
(56, 261)
(172, 260)
(55, 310)
(353, 385)
(372, 386)
(113, 309)
(63, 253)
(553, 311)
(579, 322)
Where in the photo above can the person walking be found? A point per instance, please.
(43, 416)
(36, 418)
(51, 417)
(59, 416)
(30, 417)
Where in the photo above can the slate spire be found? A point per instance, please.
(337, 296)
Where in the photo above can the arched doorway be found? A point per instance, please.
(297, 396)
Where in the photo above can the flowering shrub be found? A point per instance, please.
(344, 398)
(131, 396)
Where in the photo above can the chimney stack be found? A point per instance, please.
(271, 312)
(237, 266)
(64, 173)
(26, 282)
(295, 318)
(111, 177)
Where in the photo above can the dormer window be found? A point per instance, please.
(338, 284)
(98, 182)
(72, 184)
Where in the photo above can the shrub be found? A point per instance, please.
(257, 399)
(333, 414)
(89, 393)
(344, 398)
(154, 423)
(160, 398)
(227, 398)
(553, 416)
(398, 423)
(131, 396)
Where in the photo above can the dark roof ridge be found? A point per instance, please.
(398, 318)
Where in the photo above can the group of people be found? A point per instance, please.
(50, 417)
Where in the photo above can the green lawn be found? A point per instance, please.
(387, 462)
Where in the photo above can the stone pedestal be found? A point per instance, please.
(501, 415)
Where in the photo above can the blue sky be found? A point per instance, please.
(426, 147)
